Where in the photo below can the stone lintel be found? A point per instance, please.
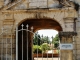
(37, 10)
(69, 18)
(67, 34)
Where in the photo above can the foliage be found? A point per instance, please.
(40, 49)
(45, 39)
(39, 40)
(45, 47)
(41, 43)
(55, 41)
(37, 49)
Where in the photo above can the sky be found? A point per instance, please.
(48, 32)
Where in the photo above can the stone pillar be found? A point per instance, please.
(8, 36)
(66, 37)
(78, 36)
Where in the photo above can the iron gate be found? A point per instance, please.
(23, 43)
(21, 46)
(25, 36)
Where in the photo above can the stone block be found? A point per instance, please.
(71, 12)
(1, 3)
(78, 56)
(13, 51)
(8, 16)
(8, 23)
(14, 56)
(77, 40)
(78, 46)
(66, 54)
(0, 41)
(13, 45)
(78, 51)
(1, 46)
(13, 41)
(9, 51)
(78, 24)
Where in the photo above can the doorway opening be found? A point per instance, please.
(46, 45)
(25, 36)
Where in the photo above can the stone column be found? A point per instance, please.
(78, 36)
(66, 37)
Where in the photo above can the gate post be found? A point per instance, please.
(16, 41)
(66, 38)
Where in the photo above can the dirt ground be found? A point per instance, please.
(46, 58)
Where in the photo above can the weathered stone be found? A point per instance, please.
(43, 16)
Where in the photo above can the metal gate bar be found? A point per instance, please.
(27, 40)
(22, 42)
(16, 41)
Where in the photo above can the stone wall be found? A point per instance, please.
(18, 14)
(10, 18)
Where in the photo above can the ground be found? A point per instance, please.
(47, 58)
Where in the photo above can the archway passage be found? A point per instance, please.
(37, 24)
(42, 24)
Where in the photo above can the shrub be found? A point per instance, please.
(45, 47)
(37, 49)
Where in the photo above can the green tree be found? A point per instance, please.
(37, 39)
(55, 41)
(45, 39)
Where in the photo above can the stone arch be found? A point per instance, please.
(37, 24)
(57, 15)
(42, 20)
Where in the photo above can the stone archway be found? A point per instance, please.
(43, 24)
(37, 24)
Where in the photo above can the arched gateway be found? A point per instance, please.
(61, 15)
(39, 19)
(37, 24)
(25, 37)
